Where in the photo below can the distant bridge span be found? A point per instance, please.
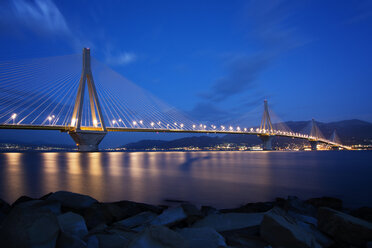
(258, 132)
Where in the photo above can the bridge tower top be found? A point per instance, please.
(334, 137)
(95, 107)
(266, 121)
(315, 132)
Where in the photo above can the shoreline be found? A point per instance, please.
(66, 219)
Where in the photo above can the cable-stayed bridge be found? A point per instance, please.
(59, 94)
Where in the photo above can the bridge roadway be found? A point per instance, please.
(162, 130)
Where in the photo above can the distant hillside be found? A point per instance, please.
(350, 132)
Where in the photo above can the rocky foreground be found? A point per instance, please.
(64, 219)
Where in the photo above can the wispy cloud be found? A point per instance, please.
(123, 58)
(269, 24)
(39, 15)
(241, 74)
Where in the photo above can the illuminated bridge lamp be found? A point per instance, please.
(134, 123)
(193, 126)
(181, 125)
(141, 122)
(152, 124)
(14, 117)
(73, 121)
(49, 119)
(95, 123)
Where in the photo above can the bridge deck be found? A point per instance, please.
(162, 130)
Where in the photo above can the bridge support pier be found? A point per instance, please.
(266, 142)
(87, 141)
(314, 145)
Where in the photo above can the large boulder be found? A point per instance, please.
(29, 228)
(280, 229)
(325, 201)
(159, 237)
(4, 207)
(22, 199)
(137, 222)
(66, 240)
(293, 203)
(133, 208)
(103, 213)
(4, 210)
(344, 228)
(73, 224)
(52, 206)
(203, 237)
(364, 213)
(72, 200)
(256, 207)
(230, 221)
(170, 216)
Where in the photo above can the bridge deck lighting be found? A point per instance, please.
(159, 123)
(113, 121)
(238, 128)
(141, 122)
(95, 123)
(231, 128)
(73, 121)
(223, 127)
(49, 118)
(193, 126)
(181, 125)
(134, 123)
(205, 126)
(245, 129)
(120, 120)
(152, 124)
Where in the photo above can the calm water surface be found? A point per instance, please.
(222, 179)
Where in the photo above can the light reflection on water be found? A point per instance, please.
(222, 179)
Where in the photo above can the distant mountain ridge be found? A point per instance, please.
(351, 132)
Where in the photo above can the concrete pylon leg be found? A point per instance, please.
(87, 141)
(266, 142)
(314, 145)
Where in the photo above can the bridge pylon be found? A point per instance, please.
(314, 135)
(266, 129)
(87, 139)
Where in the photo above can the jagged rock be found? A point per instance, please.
(364, 213)
(294, 204)
(257, 207)
(139, 220)
(202, 237)
(230, 221)
(133, 208)
(112, 240)
(103, 213)
(207, 210)
(92, 241)
(66, 240)
(344, 228)
(22, 199)
(324, 201)
(241, 239)
(73, 224)
(4, 210)
(52, 206)
(29, 228)
(4, 207)
(279, 229)
(192, 212)
(170, 216)
(159, 237)
(72, 200)
(45, 197)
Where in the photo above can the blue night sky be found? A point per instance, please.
(213, 59)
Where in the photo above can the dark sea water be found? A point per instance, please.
(221, 179)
